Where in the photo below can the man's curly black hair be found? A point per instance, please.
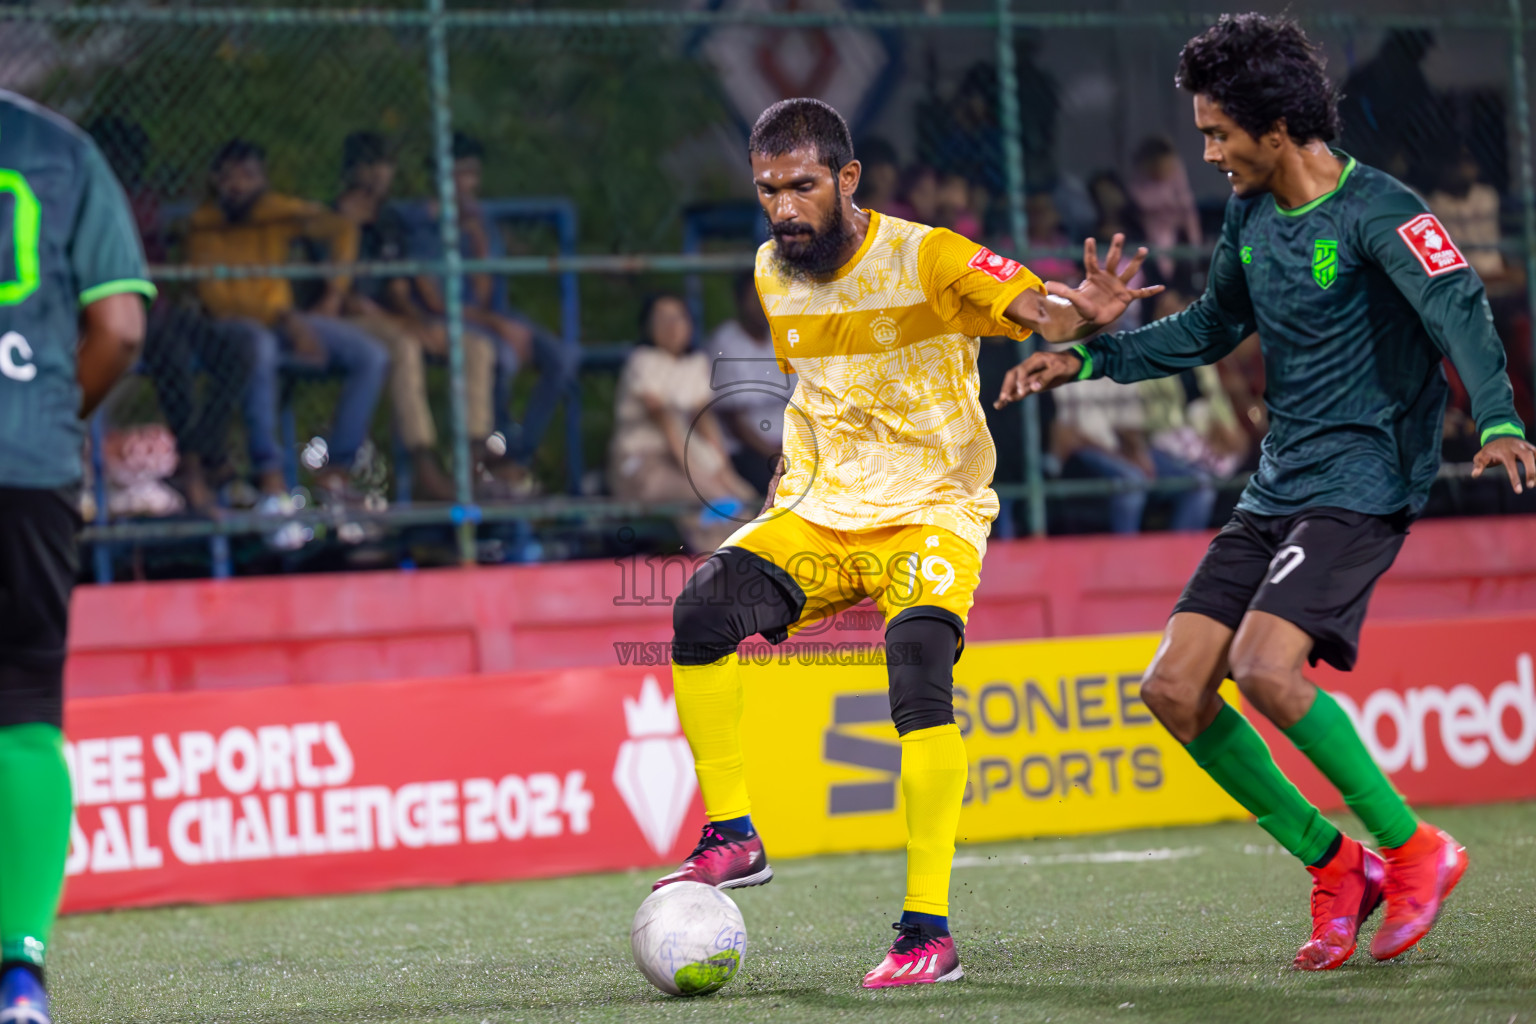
(1262, 70)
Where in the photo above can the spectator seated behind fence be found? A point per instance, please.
(959, 200)
(926, 196)
(1045, 233)
(917, 195)
(519, 342)
(1469, 209)
(880, 179)
(1100, 432)
(180, 339)
(1242, 380)
(666, 446)
(1165, 203)
(1390, 114)
(246, 224)
(382, 307)
(751, 392)
(1189, 416)
(960, 136)
(1114, 212)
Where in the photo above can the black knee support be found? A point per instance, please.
(921, 647)
(732, 596)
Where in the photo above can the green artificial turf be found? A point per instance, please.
(1201, 928)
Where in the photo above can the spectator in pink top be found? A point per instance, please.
(917, 198)
(957, 205)
(1045, 233)
(1159, 187)
(939, 200)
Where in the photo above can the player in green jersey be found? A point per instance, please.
(72, 289)
(1357, 293)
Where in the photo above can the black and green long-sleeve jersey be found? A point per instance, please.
(67, 239)
(1356, 297)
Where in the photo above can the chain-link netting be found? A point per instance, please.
(597, 158)
(235, 404)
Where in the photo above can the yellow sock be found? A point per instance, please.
(709, 703)
(933, 770)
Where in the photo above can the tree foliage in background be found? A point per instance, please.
(597, 117)
(297, 91)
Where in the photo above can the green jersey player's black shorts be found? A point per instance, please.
(1315, 569)
(39, 562)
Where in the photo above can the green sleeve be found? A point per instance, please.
(1211, 327)
(1452, 306)
(104, 249)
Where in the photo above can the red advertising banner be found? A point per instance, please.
(303, 790)
(213, 796)
(1448, 708)
(208, 797)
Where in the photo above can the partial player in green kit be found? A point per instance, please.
(73, 285)
(1357, 293)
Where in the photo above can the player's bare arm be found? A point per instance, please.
(773, 485)
(111, 335)
(1068, 314)
(1511, 453)
(1042, 371)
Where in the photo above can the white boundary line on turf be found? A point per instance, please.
(1099, 857)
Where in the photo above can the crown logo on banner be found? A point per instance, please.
(654, 769)
(651, 715)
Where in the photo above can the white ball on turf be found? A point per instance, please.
(688, 938)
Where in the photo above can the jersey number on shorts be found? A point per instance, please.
(934, 568)
(938, 570)
(1285, 562)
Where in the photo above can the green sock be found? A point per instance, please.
(1234, 754)
(35, 808)
(1328, 738)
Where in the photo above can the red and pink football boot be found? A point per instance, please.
(1420, 875)
(916, 958)
(1345, 892)
(724, 859)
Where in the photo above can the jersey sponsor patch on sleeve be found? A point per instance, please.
(1000, 267)
(1432, 245)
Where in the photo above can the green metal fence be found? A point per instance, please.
(627, 124)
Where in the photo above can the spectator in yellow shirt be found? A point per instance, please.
(245, 224)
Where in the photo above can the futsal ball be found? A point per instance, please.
(688, 938)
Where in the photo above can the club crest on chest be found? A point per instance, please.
(1325, 262)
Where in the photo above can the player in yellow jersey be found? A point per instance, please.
(883, 491)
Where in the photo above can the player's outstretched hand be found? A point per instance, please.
(1040, 372)
(1511, 453)
(1106, 290)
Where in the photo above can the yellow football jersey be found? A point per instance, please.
(885, 427)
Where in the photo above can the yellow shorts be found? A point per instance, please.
(900, 568)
